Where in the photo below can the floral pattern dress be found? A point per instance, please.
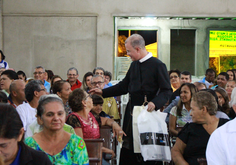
(74, 153)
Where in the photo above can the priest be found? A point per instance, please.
(146, 79)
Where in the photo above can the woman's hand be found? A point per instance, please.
(117, 131)
(108, 151)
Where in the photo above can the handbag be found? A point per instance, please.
(153, 135)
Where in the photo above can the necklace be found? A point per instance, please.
(89, 121)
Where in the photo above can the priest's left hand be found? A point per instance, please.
(151, 107)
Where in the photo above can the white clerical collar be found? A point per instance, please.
(149, 55)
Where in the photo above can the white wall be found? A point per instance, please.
(26, 23)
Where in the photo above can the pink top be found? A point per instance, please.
(89, 127)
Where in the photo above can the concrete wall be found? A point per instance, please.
(35, 31)
(56, 43)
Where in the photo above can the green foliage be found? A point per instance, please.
(227, 63)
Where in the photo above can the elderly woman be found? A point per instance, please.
(12, 148)
(174, 79)
(63, 89)
(60, 146)
(192, 139)
(180, 114)
(84, 122)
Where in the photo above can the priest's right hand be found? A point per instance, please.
(96, 91)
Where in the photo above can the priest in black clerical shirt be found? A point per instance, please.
(147, 77)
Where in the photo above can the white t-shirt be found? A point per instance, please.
(221, 146)
(27, 114)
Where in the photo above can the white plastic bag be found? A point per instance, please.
(153, 133)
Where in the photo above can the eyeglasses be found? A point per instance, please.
(173, 77)
(72, 75)
(95, 83)
(88, 96)
(44, 89)
(38, 73)
(99, 73)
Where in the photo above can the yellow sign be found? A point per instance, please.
(222, 43)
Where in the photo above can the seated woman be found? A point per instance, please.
(180, 114)
(48, 75)
(60, 146)
(21, 75)
(84, 122)
(34, 127)
(63, 89)
(219, 112)
(53, 80)
(229, 87)
(192, 139)
(174, 79)
(87, 81)
(223, 100)
(97, 106)
(12, 148)
(231, 74)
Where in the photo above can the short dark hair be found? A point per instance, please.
(20, 72)
(3, 56)
(75, 99)
(57, 86)
(209, 70)
(174, 71)
(107, 73)
(10, 122)
(54, 77)
(30, 87)
(224, 74)
(10, 74)
(98, 68)
(97, 99)
(186, 73)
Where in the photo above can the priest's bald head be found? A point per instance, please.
(135, 47)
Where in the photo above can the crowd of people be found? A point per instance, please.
(45, 120)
